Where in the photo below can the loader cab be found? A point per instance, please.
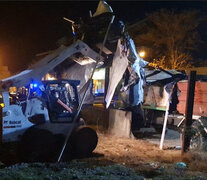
(61, 97)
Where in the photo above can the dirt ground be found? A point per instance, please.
(120, 158)
(146, 157)
(133, 151)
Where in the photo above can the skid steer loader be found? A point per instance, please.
(38, 114)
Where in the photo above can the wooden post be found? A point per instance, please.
(188, 111)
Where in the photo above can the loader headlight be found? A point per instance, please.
(2, 105)
(33, 85)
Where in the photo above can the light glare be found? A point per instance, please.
(142, 54)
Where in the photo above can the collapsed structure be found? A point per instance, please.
(44, 114)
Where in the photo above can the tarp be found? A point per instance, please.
(138, 66)
(163, 77)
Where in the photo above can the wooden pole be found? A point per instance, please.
(188, 111)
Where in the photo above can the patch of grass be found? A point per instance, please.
(73, 170)
(172, 172)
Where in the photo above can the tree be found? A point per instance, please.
(171, 37)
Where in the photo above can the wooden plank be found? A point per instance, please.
(200, 98)
(199, 109)
(200, 86)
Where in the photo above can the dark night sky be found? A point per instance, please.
(28, 28)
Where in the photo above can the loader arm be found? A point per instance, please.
(37, 71)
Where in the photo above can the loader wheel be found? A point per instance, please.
(38, 145)
(198, 139)
(83, 141)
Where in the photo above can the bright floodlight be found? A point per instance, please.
(142, 54)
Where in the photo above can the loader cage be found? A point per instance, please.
(61, 97)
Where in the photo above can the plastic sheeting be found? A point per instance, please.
(163, 77)
(119, 65)
(156, 96)
(138, 65)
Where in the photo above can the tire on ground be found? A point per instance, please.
(198, 138)
(83, 141)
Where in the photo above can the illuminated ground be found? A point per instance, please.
(114, 159)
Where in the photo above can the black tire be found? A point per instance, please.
(83, 141)
(198, 140)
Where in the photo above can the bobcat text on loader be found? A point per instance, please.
(38, 114)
